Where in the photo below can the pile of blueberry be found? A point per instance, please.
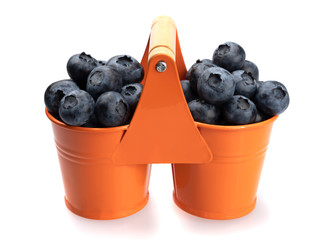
(98, 93)
(227, 91)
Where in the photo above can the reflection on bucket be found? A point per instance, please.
(225, 188)
(95, 187)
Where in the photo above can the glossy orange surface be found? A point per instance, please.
(225, 188)
(95, 187)
(162, 129)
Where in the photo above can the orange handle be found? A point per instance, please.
(162, 129)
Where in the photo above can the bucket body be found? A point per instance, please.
(225, 188)
(95, 187)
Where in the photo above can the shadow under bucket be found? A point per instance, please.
(225, 188)
(95, 187)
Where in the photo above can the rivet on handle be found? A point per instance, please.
(161, 66)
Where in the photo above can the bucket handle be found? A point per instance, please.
(162, 129)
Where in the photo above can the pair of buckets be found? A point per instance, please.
(216, 169)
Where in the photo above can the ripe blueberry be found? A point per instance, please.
(246, 85)
(92, 122)
(112, 109)
(260, 116)
(216, 85)
(259, 84)
(187, 91)
(230, 56)
(103, 79)
(252, 68)
(102, 63)
(239, 110)
(131, 94)
(272, 98)
(196, 70)
(129, 68)
(79, 67)
(76, 108)
(203, 112)
(55, 92)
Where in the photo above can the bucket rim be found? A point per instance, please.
(85, 129)
(198, 124)
(236, 127)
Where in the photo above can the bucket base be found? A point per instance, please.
(210, 215)
(106, 215)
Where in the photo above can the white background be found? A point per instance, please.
(37, 39)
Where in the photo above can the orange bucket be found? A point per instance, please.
(216, 169)
(95, 187)
(225, 188)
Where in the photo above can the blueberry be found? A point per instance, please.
(230, 56)
(187, 91)
(272, 98)
(79, 67)
(239, 110)
(103, 79)
(196, 70)
(207, 62)
(246, 85)
(92, 122)
(76, 108)
(102, 63)
(250, 67)
(129, 68)
(216, 85)
(55, 92)
(203, 112)
(260, 116)
(239, 75)
(112, 109)
(259, 84)
(131, 94)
